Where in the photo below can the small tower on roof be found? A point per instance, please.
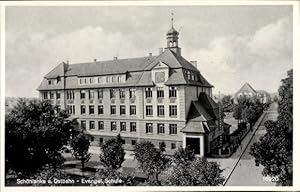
(172, 38)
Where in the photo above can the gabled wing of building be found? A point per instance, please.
(202, 115)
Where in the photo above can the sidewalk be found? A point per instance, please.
(229, 164)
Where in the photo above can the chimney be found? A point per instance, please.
(150, 54)
(115, 58)
(160, 50)
(67, 62)
(194, 63)
(95, 60)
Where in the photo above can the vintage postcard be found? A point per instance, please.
(149, 95)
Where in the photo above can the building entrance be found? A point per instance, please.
(194, 144)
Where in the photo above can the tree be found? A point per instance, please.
(35, 133)
(275, 149)
(227, 103)
(237, 112)
(112, 153)
(81, 145)
(187, 170)
(151, 161)
(183, 155)
(249, 115)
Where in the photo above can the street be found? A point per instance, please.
(246, 173)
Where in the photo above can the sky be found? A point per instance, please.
(232, 44)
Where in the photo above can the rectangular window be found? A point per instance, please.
(160, 128)
(99, 79)
(173, 129)
(188, 75)
(113, 79)
(82, 109)
(82, 94)
(112, 93)
(92, 138)
(131, 93)
(123, 141)
(92, 109)
(91, 94)
(70, 95)
(149, 128)
(100, 125)
(122, 93)
(160, 92)
(91, 80)
(100, 109)
(57, 95)
(113, 126)
(173, 145)
(45, 95)
(132, 127)
(133, 142)
(70, 109)
(113, 110)
(119, 78)
(100, 93)
(172, 92)
(83, 125)
(92, 124)
(132, 110)
(160, 110)
(107, 79)
(123, 126)
(149, 110)
(100, 140)
(173, 110)
(148, 92)
(51, 95)
(122, 110)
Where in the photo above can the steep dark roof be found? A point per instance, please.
(139, 69)
(202, 115)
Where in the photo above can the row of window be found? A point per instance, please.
(132, 111)
(100, 80)
(51, 95)
(161, 110)
(133, 142)
(149, 127)
(113, 110)
(113, 93)
(191, 75)
(161, 92)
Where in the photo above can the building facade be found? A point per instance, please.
(161, 98)
(248, 91)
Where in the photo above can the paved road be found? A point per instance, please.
(246, 173)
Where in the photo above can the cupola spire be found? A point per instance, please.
(172, 38)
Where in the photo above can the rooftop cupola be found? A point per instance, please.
(172, 38)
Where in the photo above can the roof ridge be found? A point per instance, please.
(98, 62)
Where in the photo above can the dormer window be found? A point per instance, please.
(51, 82)
(91, 80)
(188, 75)
(113, 79)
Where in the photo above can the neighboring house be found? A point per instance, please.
(248, 91)
(160, 98)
